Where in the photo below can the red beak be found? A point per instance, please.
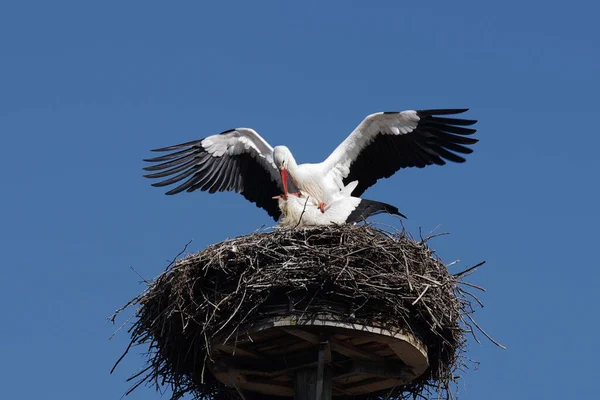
(283, 173)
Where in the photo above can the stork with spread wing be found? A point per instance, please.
(241, 160)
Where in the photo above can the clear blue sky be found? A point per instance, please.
(86, 89)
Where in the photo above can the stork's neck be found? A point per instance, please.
(294, 171)
(292, 166)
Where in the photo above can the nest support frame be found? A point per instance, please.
(316, 357)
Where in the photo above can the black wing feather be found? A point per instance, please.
(434, 140)
(195, 169)
(176, 162)
(170, 155)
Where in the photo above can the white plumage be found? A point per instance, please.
(300, 211)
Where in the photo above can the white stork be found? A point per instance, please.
(300, 211)
(242, 161)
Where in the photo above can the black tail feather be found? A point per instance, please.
(368, 208)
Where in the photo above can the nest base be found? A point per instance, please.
(272, 355)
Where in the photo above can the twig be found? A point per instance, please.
(302, 213)
(458, 274)
(421, 295)
(484, 333)
(141, 277)
(122, 356)
(172, 262)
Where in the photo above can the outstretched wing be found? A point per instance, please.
(236, 160)
(387, 141)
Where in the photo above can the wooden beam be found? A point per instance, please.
(302, 334)
(238, 351)
(276, 388)
(269, 367)
(373, 385)
(353, 352)
(275, 344)
(269, 388)
(357, 341)
(300, 345)
(386, 369)
(410, 356)
(239, 381)
(339, 347)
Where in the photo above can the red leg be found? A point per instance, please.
(322, 207)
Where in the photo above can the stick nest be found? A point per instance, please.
(380, 278)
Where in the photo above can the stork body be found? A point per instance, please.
(310, 179)
(301, 211)
(241, 160)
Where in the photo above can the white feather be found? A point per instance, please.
(303, 211)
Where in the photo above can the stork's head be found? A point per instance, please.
(282, 157)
